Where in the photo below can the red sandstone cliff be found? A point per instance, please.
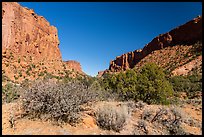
(186, 34)
(26, 33)
(76, 66)
(30, 45)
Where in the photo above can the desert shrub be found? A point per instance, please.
(108, 81)
(86, 80)
(48, 76)
(140, 128)
(197, 48)
(149, 85)
(169, 119)
(59, 102)
(111, 117)
(153, 87)
(10, 92)
(189, 84)
(147, 115)
(140, 105)
(127, 84)
(123, 83)
(174, 127)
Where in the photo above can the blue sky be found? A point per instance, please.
(94, 33)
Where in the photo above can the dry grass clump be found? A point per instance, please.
(168, 120)
(57, 101)
(140, 128)
(112, 117)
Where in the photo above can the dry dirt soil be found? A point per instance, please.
(13, 124)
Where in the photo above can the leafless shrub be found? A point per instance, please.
(140, 105)
(167, 119)
(192, 122)
(111, 117)
(57, 101)
(147, 114)
(159, 114)
(175, 129)
(140, 128)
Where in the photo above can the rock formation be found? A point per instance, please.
(28, 34)
(76, 66)
(186, 34)
(30, 45)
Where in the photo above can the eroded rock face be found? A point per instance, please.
(76, 66)
(30, 45)
(186, 34)
(25, 33)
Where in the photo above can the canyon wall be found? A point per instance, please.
(30, 45)
(186, 34)
(26, 33)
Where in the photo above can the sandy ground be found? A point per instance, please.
(25, 126)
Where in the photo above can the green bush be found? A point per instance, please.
(126, 84)
(189, 84)
(153, 87)
(41, 74)
(149, 85)
(10, 93)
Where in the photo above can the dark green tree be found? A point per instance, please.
(153, 87)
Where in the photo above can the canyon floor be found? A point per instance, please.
(12, 124)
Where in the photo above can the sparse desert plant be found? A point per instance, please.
(169, 119)
(16, 77)
(20, 74)
(10, 92)
(19, 60)
(111, 117)
(140, 104)
(41, 74)
(33, 65)
(27, 72)
(147, 115)
(59, 102)
(140, 128)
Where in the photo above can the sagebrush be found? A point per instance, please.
(111, 117)
(58, 101)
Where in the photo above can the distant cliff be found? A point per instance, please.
(76, 66)
(186, 34)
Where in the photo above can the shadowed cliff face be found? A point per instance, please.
(29, 42)
(186, 34)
